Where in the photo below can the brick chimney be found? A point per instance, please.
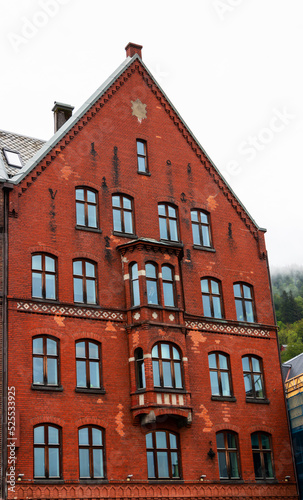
(132, 49)
(62, 112)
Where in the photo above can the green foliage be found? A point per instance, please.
(288, 301)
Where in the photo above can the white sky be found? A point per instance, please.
(232, 68)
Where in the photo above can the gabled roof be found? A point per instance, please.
(27, 147)
(293, 366)
(73, 126)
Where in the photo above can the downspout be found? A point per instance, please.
(285, 400)
(6, 189)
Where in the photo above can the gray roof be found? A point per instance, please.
(293, 367)
(27, 147)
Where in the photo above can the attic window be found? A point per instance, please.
(13, 158)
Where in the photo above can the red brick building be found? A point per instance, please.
(142, 342)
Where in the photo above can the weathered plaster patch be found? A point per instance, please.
(211, 202)
(110, 327)
(59, 320)
(197, 338)
(118, 419)
(66, 172)
(139, 110)
(206, 418)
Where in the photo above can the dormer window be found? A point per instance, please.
(13, 158)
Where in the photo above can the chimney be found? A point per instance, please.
(132, 49)
(62, 112)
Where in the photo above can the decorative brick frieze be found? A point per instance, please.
(229, 329)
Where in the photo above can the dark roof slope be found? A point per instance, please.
(27, 147)
(293, 366)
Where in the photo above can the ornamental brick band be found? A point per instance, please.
(229, 329)
(74, 311)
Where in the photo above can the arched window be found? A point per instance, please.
(167, 366)
(140, 372)
(168, 222)
(47, 451)
(201, 228)
(220, 376)
(134, 284)
(163, 455)
(91, 452)
(88, 364)
(86, 207)
(253, 377)
(168, 286)
(228, 455)
(244, 302)
(151, 273)
(44, 276)
(123, 214)
(262, 455)
(45, 361)
(211, 298)
(85, 281)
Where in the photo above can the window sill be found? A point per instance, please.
(47, 388)
(89, 229)
(258, 401)
(93, 481)
(267, 481)
(232, 481)
(231, 399)
(148, 174)
(90, 391)
(56, 480)
(169, 389)
(126, 235)
(166, 481)
(207, 249)
(172, 242)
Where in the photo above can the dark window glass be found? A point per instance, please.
(140, 372)
(201, 228)
(168, 222)
(168, 286)
(220, 377)
(142, 156)
(211, 298)
(44, 276)
(45, 361)
(88, 361)
(85, 282)
(167, 366)
(253, 377)
(262, 455)
(151, 273)
(91, 452)
(47, 451)
(134, 285)
(228, 455)
(163, 455)
(244, 302)
(86, 207)
(122, 214)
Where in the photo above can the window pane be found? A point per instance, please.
(93, 350)
(141, 164)
(150, 271)
(222, 464)
(81, 374)
(134, 271)
(80, 214)
(39, 435)
(178, 378)
(268, 465)
(163, 229)
(248, 384)
(155, 351)
(37, 262)
(234, 471)
(117, 220)
(231, 440)
(77, 267)
(98, 463)
(53, 457)
(149, 440)
(97, 437)
(136, 293)
(265, 442)
(53, 435)
(150, 464)
(38, 346)
(172, 441)
(116, 201)
(128, 222)
(52, 375)
(239, 310)
(94, 374)
(205, 236)
(127, 203)
(168, 292)
(152, 293)
(249, 312)
(257, 464)
(237, 290)
(80, 349)
(162, 464)
(165, 351)
(167, 273)
(171, 212)
(225, 384)
(37, 285)
(38, 371)
(254, 441)
(196, 234)
(140, 148)
(89, 269)
(206, 305)
(258, 386)
(245, 363)
(194, 215)
(203, 218)
(80, 194)
(49, 264)
(51, 347)
(78, 290)
(167, 378)
(161, 439)
(204, 286)
(84, 463)
(214, 384)
(247, 292)
(256, 365)
(215, 287)
(39, 463)
(173, 230)
(174, 464)
(212, 361)
(156, 373)
(161, 209)
(223, 362)
(217, 307)
(220, 440)
(92, 215)
(91, 196)
(91, 291)
(176, 354)
(83, 436)
(50, 286)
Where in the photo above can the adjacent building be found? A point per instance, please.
(142, 347)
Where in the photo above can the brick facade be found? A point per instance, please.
(99, 153)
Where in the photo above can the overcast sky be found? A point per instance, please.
(232, 68)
